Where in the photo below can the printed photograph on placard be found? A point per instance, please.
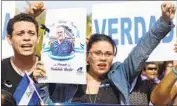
(63, 45)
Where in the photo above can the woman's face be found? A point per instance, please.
(100, 57)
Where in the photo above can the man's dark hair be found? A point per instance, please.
(18, 18)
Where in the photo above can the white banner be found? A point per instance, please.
(127, 22)
(64, 46)
(8, 11)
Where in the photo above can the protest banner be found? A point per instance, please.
(7, 13)
(64, 46)
(127, 22)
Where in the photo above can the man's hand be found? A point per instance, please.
(168, 11)
(36, 8)
(39, 71)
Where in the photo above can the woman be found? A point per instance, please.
(107, 82)
(99, 89)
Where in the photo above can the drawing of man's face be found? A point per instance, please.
(60, 34)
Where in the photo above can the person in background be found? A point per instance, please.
(7, 99)
(143, 85)
(109, 83)
(150, 72)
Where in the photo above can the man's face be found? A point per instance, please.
(24, 38)
(60, 33)
(151, 71)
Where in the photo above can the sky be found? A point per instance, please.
(66, 4)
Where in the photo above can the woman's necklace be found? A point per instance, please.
(96, 85)
(94, 100)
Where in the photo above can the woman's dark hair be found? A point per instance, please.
(101, 37)
(7, 99)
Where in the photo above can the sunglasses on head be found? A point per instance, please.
(152, 68)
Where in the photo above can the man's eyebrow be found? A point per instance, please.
(21, 31)
(31, 31)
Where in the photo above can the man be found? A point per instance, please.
(150, 72)
(22, 33)
(144, 84)
(23, 36)
(62, 46)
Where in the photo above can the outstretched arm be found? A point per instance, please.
(163, 92)
(136, 60)
(167, 89)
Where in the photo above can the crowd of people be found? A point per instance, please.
(134, 82)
